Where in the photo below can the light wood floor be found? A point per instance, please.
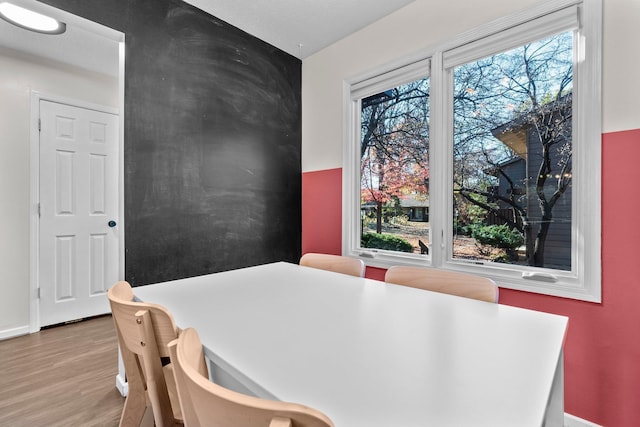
(62, 376)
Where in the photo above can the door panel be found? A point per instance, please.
(78, 251)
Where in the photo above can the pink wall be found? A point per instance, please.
(322, 211)
(602, 352)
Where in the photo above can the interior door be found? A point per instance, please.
(78, 238)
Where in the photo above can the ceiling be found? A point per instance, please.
(84, 44)
(298, 27)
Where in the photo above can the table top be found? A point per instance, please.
(368, 353)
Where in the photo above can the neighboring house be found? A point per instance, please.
(416, 207)
(517, 177)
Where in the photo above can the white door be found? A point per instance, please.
(78, 237)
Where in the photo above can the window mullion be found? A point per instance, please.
(438, 163)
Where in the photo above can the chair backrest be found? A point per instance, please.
(214, 405)
(144, 330)
(448, 282)
(336, 263)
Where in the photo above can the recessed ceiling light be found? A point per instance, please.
(30, 20)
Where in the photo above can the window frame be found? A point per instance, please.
(583, 282)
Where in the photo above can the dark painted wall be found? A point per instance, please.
(212, 141)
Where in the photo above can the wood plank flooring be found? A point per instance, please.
(62, 376)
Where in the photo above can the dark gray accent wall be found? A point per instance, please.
(212, 141)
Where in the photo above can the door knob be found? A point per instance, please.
(112, 223)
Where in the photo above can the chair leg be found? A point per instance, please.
(135, 405)
(148, 420)
(134, 409)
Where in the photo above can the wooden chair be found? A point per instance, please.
(209, 404)
(448, 282)
(144, 330)
(336, 263)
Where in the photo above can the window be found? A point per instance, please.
(482, 157)
(512, 148)
(394, 167)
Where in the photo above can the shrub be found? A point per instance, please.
(499, 236)
(386, 242)
(467, 229)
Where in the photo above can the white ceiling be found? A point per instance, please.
(84, 44)
(298, 27)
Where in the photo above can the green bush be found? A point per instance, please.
(499, 236)
(466, 229)
(386, 242)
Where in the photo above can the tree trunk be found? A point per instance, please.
(541, 239)
(529, 242)
(379, 217)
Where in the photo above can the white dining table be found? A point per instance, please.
(372, 354)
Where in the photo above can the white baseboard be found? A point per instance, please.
(14, 332)
(573, 421)
(122, 385)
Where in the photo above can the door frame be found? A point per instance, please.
(34, 198)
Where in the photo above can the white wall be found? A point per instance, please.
(621, 65)
(421, 26)
(19, 75)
